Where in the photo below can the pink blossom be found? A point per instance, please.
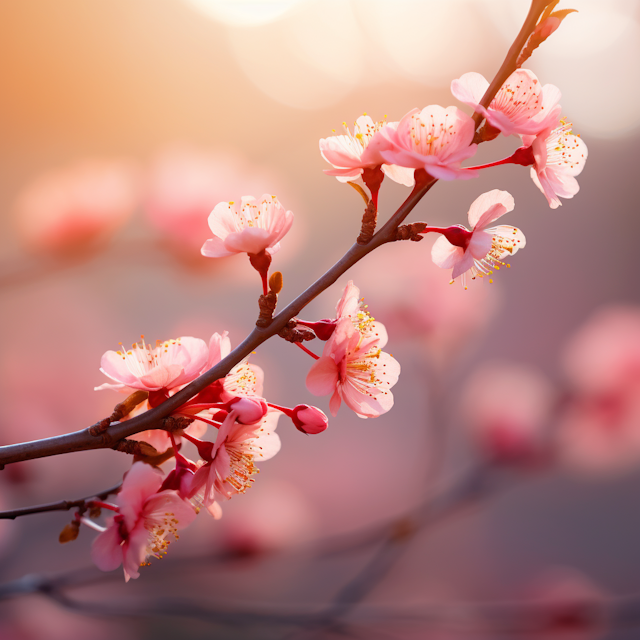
(229, 468)
(145, 518)
(72, 209)
(434, 139)
(598, 430)
(354, 368)
(183, 186)
(170, 364)
(248, 226)
(558, 156)
(520, 107)
(482, 249)
(507, 408)
(352, 153)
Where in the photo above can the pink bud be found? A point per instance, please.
(309, 420)
(249, 410)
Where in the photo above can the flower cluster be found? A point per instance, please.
(432, 143)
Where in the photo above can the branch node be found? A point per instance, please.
(291, 333)
(135, 448)
(174, 423)
(267, 306)
(369, 221)
(411, 231)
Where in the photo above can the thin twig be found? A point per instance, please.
(62, 505)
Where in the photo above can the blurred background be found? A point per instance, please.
(124, 123)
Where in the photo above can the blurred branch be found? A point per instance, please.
(62, 505)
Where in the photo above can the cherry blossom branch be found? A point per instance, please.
(510, 63)
(153, 419)
(62, 505)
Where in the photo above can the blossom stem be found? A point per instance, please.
(522, 156)
(313, 355)
(206, 420)
(287, 412)
(102, 505)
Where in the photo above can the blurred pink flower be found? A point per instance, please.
(277, 517)
(483, 248)
(354, 368)
(600, 427)
(558, 156)
(568, 606)
(352, 153)
(418, 305)
(434, 139)
(507, 408)
(144, 519)
(71, 210)
(520, 107)
(183, 186)
(247, 227)
(229, 466)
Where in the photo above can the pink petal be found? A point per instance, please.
(215, 248)
(464, 265)
(334, 403)
(469, 88)
(444, 254)
(106, 550)
(489, 207)
(140, 482)
(323, 376)
(158, 505)
(250, 240)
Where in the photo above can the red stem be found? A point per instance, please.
(313, 355)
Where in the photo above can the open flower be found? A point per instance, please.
(558, 156)
(354, 368)
(248, 226)
(434, 139)
(144, 520)
(229, 468)
(482, 249)
(170, 364)
(352, 153)
(520, 107)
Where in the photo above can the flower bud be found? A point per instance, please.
(309, 420)
(249, 410)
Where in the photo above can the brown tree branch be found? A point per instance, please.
(84, 440)
(62, 505)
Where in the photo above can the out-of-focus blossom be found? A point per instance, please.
(420, 306)
(354, 368)
(277, 517)
(520, 107)
(248, 226)
(229, 467)
(507, 408)
(558, 156)
(170, 364)
(566, 605)
(434, 139)
(74, 209)
(144, 520)
(352, 153)
(484, 248)
(600, 427)
(184, 185)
